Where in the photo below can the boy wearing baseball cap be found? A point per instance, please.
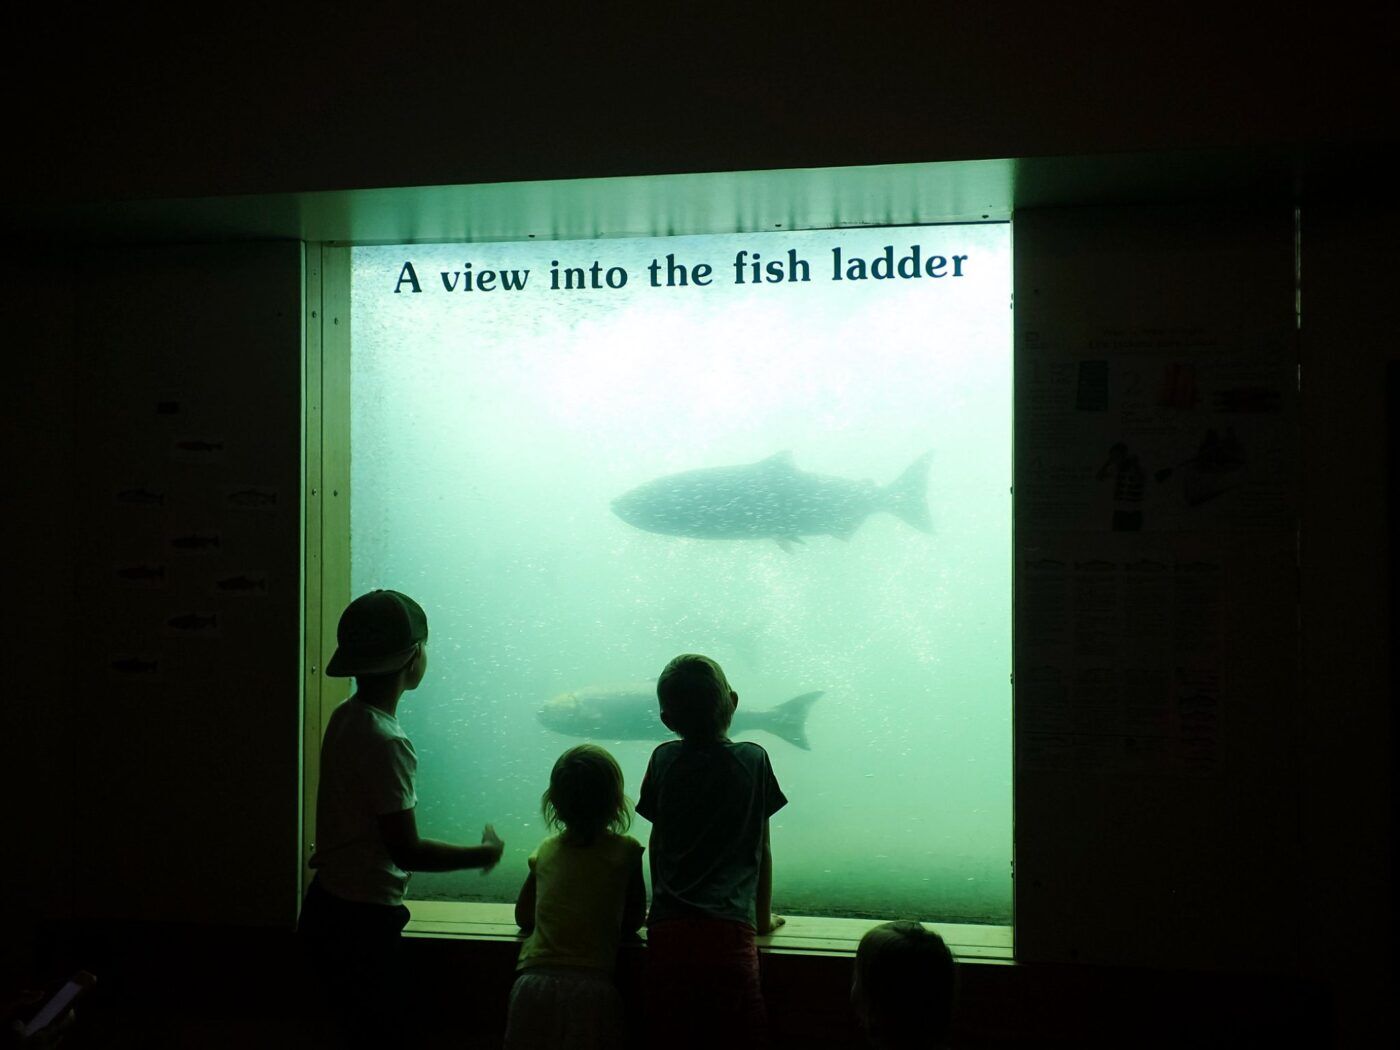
(367, 837)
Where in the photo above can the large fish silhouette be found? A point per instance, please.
(771, 499)
(631, 712)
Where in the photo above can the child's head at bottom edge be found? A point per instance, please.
(904, 985)
(584, 797)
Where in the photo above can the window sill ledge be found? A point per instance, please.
(800, 934)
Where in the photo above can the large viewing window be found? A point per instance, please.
(790, 451)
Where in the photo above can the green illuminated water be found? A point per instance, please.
(492, 429)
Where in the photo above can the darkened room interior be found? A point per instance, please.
(170, 183)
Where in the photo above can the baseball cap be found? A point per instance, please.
(377, 634)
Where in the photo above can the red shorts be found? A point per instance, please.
(703, 986)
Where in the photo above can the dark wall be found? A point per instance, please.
(153, 511)
(122, 103)
(1157, 666)
(37, 507)
(1346, 726)
(111, 107)
(187, 479)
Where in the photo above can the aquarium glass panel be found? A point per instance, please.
(788, 451)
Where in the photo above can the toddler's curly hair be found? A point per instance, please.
(585, 797)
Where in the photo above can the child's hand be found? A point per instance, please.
(774, 921)
(493, 842)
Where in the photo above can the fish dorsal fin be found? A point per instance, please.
(779, 461)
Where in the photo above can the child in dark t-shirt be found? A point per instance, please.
(709, 800)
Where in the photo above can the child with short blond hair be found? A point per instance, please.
(709, 800)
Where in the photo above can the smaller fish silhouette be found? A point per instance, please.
(141, 497)
(142, 572)
(192, 445)
(194, 542)
(193, 622)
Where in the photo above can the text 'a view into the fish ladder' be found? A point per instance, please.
(747, 268)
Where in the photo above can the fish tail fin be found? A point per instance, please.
(789, 720)
(907, 496)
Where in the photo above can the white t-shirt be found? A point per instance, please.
(367, 770)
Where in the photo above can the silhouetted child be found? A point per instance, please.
(709, 800)
(904, 986)
(367, 837)
(584, 892)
